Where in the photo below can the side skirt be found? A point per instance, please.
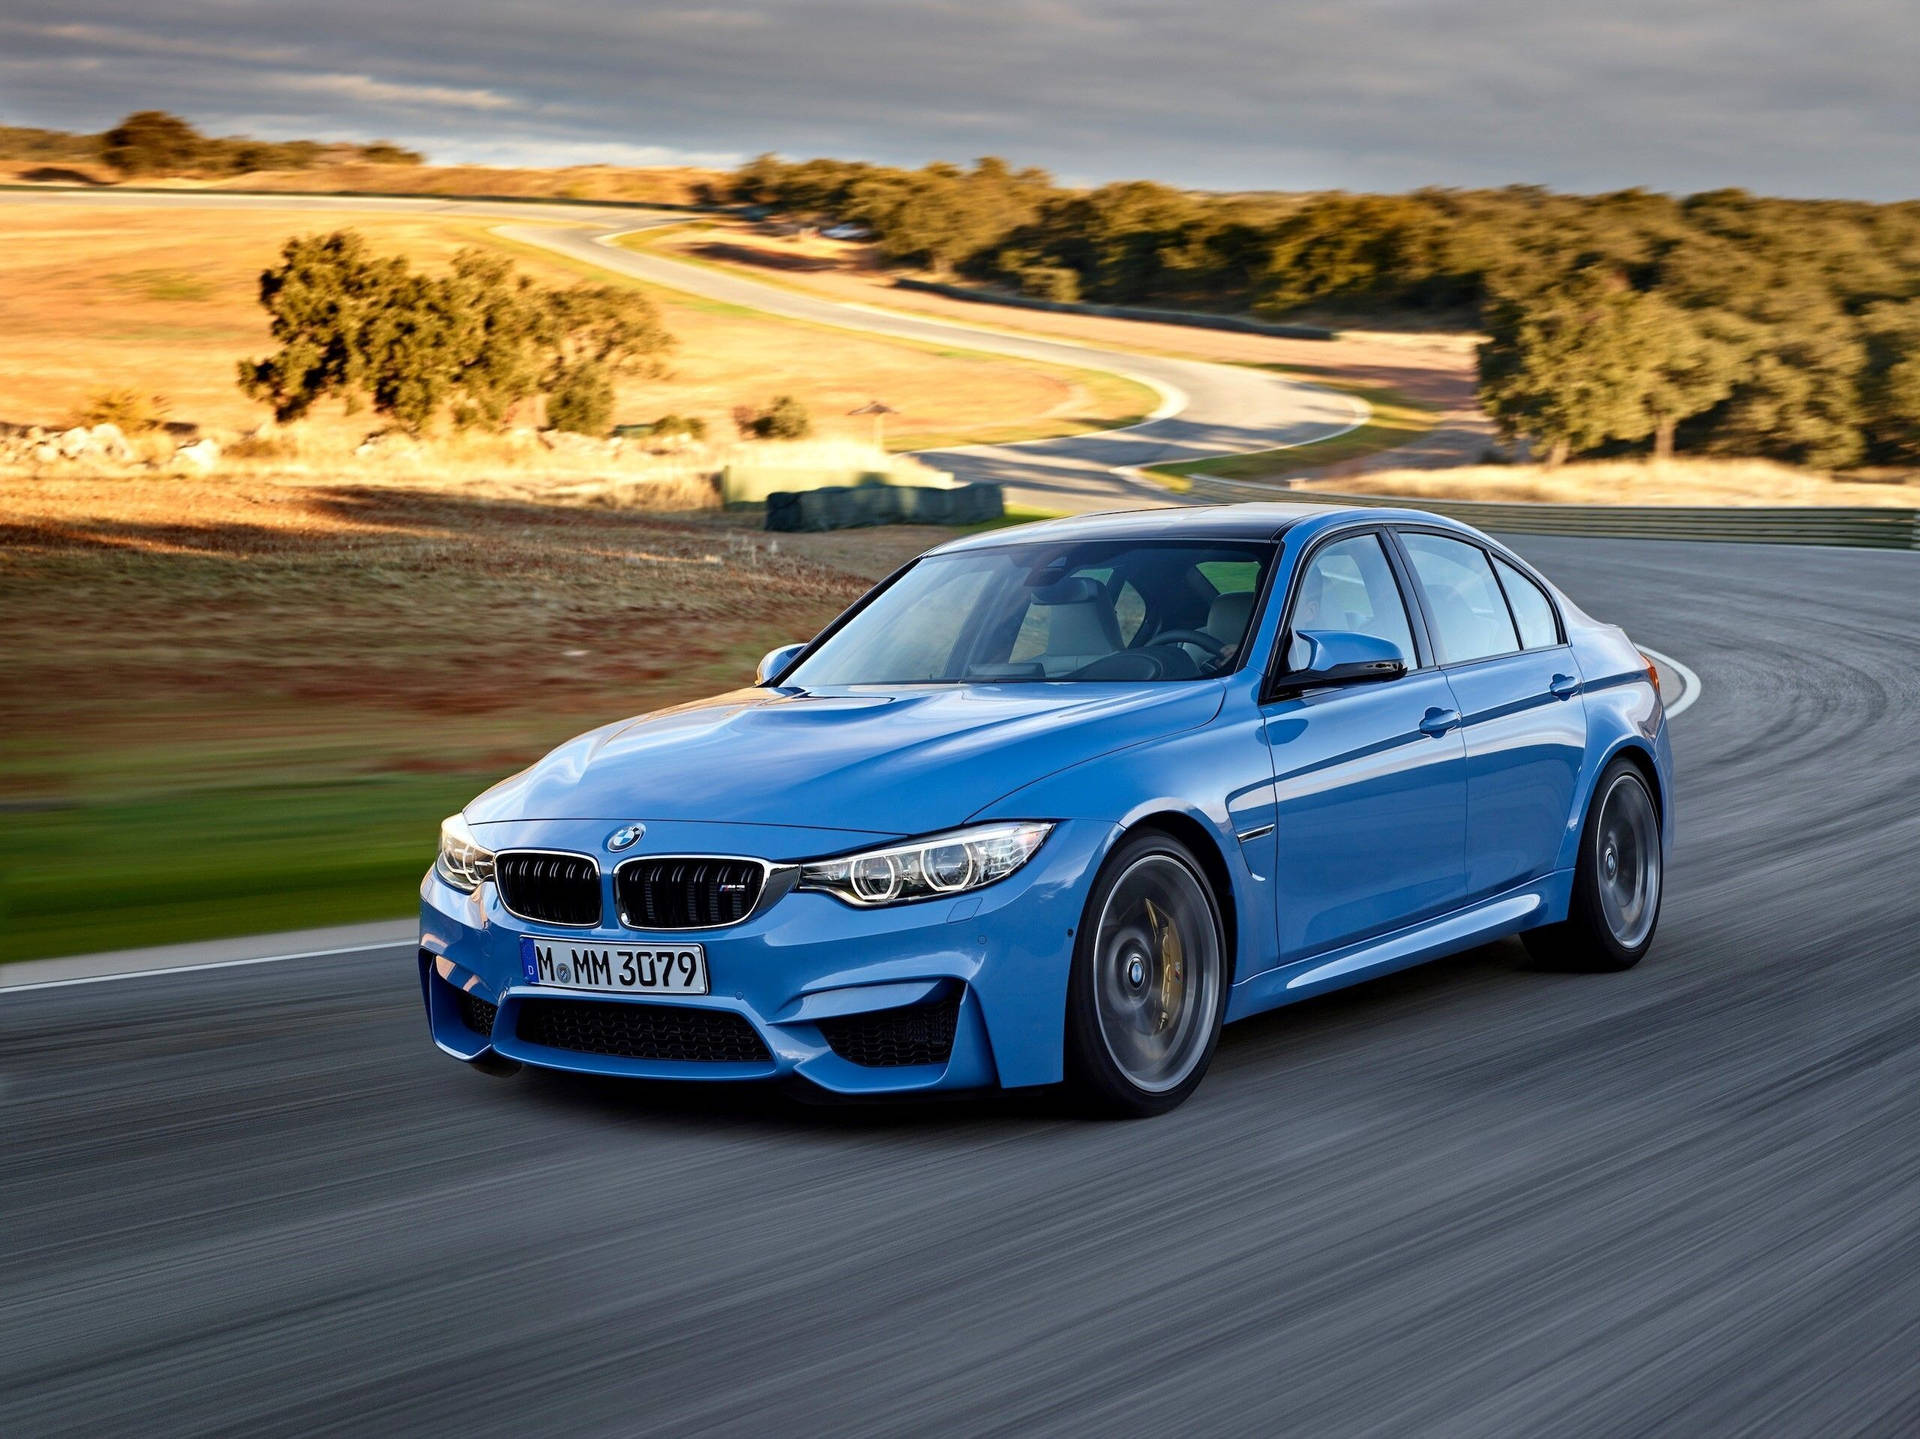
(1536, 903)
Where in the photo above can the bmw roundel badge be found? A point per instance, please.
(626, 836)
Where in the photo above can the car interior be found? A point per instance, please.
(1147, 613)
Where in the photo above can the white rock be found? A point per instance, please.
(45, 452)
(109, 443)
(200, 456)
(73, 444)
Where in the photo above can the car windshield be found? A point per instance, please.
(1111, 611)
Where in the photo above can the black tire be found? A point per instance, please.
(1611, 922)
(1148, 991)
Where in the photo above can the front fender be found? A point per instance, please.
(1218, 778)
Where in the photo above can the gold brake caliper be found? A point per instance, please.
(1173, 968)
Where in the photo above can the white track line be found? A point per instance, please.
(202, 968)
(1688, 679)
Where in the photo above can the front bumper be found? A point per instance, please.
(998, 958)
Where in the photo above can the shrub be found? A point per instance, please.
(385, 152)
(132, 411)
(673, 427)
(582, 399)
(1050, 282)
(785, 419)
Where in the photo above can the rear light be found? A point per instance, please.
(1653, 673)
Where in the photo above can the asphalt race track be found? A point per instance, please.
(1470, 1199)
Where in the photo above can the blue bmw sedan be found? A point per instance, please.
(1055, 803)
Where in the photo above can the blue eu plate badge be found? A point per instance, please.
(529, 961)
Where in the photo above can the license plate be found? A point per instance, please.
(622, 968)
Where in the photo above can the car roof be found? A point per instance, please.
(1252, 521)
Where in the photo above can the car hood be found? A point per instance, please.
(906, 760)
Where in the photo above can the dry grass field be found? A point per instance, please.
(667, 185)
(1634, 482)
(162, 300)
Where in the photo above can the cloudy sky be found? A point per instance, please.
(1804, 97)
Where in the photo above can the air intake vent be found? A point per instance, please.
(549, 888)
(885, 1038)
(476, 1013)
(642, 1031)
(686, 892)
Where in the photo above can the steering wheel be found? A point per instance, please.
(1211, 643)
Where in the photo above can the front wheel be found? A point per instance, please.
(1148, 990)
(1618, 881)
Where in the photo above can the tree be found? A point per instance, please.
(150, 142)
(581, 399)
(1561, 366)
(1689, 366)
(324, 298)
(471, 343)
(1799, 396)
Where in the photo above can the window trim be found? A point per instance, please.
(1424, 654)
(1491, 551)
(1553, 610)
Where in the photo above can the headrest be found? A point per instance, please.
(1228, 614)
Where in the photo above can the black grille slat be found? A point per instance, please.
(686, 891)
(888, 1038)
(641, 1031)
(549, 888)
(477, 1014)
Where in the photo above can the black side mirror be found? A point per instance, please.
(1338, 657)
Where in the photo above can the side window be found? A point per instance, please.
(1469, 614)
(1348, 585)
(1531, 607)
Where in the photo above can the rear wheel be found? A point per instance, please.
(1618, 881)
(1148, 990)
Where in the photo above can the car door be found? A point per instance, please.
(1514, 680)
(1370, 788)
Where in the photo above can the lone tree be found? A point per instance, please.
(471, 343)
(151, 142)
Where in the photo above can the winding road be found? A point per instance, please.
(1469, 1199)
(1205, 409)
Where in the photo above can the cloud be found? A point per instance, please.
(1776, 95)
(365, 90)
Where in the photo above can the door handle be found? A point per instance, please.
(1438, 721)
(1563, 687)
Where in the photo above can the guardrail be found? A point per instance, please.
(1855, 526)
(1198, 319)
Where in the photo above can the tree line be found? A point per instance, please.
(156, 142)
(468, 346)
(1722, 322)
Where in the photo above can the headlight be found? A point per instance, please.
(464, 862)
(928, 868)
